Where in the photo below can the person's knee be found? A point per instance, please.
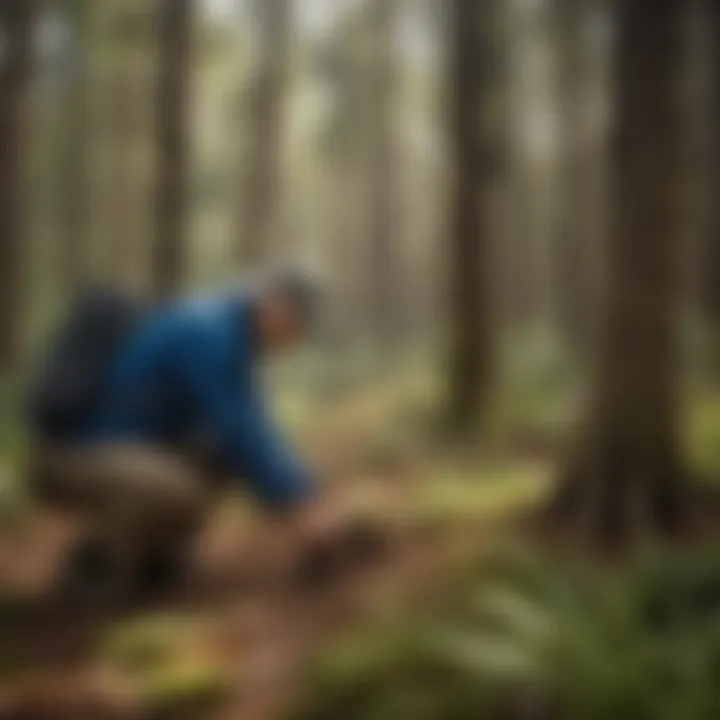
(178, 507)
(50, 478)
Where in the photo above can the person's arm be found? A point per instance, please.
(239, 423)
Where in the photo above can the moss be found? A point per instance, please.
(184, 691)
(449, 496)
(702, 433)
(147, 643)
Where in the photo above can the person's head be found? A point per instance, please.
(286, 308)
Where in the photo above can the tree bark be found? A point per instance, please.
(169, 250)
(712, 259)
(16, 18)
(76, 161)
(630, 472)
(257, 224)
(123, 97)
(474, 157)
(572, 256)
(384, 263)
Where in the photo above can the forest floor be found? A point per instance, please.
(232, 644)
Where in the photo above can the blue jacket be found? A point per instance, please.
(188, 372)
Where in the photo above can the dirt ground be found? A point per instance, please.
(232, 642)
(239, 631)
(251, 622)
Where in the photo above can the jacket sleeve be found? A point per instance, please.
(240, 426)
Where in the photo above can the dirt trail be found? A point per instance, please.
(255, 624)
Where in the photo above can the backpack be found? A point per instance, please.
(77, 361)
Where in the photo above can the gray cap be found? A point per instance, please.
(301, 287)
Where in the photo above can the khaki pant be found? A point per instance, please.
(137, 497)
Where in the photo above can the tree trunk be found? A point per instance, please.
(474, 152)
(629, 472)
(76, 161)
(526, 294)
(572, 255)
(712, 259)
(15, 66)
(169, 251)
(257, 224)
(384, 266)
(122, 97)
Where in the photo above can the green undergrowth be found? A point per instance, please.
(523, 635)
(701, 424)
(149, 641)
(190, 691)
(448, 496)
(170, 679)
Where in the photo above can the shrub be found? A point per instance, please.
(543, 639)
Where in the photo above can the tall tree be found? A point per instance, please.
(475, 152)
(629, 470)
(123, 59)
(712, 260)
(575, 85)
(169, 251)
(383, 159)
(341, 63)
(257, 222)
(75, 224)
(527, 297)
(16, 24)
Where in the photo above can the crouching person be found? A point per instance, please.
(149, 410)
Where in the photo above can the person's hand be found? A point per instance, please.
(332, 542)
(317, 522)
